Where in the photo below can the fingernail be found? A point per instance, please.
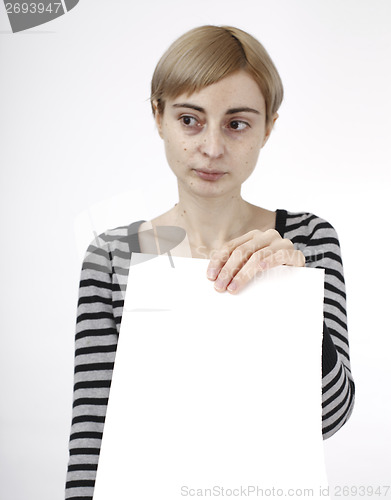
(211, 273)
(232, 286)
(219, 285)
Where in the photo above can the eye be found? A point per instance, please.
(188, 121)
(238, 125)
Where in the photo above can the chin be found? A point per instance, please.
(206, 189)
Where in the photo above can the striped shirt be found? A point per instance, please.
(101, 299)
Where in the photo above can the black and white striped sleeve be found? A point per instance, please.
(95, 347)
(102, 290)
(318, 240)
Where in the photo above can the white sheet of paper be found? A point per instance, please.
(212, 390)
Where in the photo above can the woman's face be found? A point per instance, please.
(213, 137)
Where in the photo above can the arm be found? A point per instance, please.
(95, 347)
(318, 241)
(102, 289)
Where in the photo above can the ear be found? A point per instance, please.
(158, 118)
(269, 130)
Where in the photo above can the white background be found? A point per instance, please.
(76, 131)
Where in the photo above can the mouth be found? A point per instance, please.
(209, 175)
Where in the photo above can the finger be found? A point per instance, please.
(262, 260)
(220, 257)
(257, 250)
(242, 254)
(242, 248)
(236, 261)
(285, 257)
(254, 266)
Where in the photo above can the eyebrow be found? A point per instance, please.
(230, 111)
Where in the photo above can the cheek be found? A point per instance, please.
(177, 152)
(249, 156)
(255, 153)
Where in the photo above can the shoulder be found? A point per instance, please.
(301, 227)
(113, 243)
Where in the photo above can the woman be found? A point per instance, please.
(215, 96)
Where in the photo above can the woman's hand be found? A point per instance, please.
(241, 259)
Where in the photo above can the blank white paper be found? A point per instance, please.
(215, 395)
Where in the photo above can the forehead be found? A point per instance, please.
(236, 90)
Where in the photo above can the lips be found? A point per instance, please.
(209, 175)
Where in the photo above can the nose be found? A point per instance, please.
(212, 142)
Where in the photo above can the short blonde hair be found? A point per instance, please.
(207, 54)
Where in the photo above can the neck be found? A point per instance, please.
(209, 223)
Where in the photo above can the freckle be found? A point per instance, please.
(184, 149)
